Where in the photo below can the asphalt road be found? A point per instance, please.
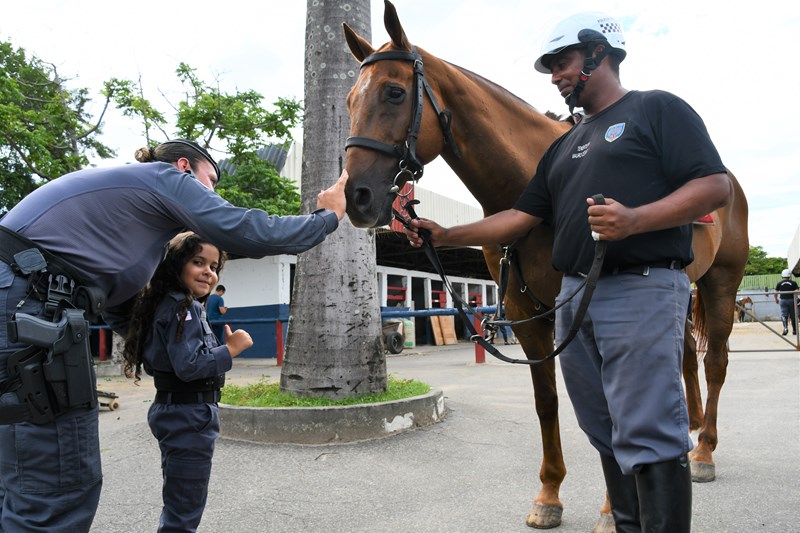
(476, 471)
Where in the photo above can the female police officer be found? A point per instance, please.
(103, 230)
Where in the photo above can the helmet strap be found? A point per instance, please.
(590, 62)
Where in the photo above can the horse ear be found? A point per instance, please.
(359, 47)
(394, 28)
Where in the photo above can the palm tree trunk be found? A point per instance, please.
(334, 345)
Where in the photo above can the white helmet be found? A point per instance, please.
(582, 28)
(786, 273)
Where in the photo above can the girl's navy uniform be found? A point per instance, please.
(185, 423)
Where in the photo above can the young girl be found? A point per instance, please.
(170, 337)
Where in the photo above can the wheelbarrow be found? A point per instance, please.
(393, 340)
(107, 399)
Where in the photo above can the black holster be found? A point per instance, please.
(57, 372)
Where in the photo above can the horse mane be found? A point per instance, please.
(526, 135)
(571, 119)
(503, 91)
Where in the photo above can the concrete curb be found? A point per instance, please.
(106, 369)
(330, 425)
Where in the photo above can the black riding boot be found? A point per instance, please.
(665, 496)
(623, 496)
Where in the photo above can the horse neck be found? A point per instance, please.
(500, 137)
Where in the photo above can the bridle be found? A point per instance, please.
(409, 165)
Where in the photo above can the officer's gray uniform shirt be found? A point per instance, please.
(112, 224)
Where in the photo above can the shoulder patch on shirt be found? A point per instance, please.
(188, 315)
(614, 132)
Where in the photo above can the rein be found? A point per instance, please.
(409, 164)
(510, 260)
(589, 284)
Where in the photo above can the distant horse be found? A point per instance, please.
(493, 141)
(744, 307)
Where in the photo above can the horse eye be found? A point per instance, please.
(395, 94)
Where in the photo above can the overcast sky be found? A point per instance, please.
(733, 65)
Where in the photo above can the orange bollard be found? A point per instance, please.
(480, 353)
(101, 344)
(279, 341)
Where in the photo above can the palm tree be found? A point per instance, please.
(334, 346)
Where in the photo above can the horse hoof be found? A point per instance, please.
(605, 524)
(703, 472)
(545, 516)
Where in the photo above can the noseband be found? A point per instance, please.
(410, 167)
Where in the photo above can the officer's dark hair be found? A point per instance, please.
(166, 279)
(220, 288)
(172, 150)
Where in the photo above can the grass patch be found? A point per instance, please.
(268, 394)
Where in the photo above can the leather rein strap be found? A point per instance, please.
(588, 286)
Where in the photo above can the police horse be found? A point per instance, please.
(408, 107)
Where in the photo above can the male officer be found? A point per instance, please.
(650, 155)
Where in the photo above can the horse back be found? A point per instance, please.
(725, 245)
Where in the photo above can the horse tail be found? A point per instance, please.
(699, 322)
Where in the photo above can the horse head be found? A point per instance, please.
(391, 138)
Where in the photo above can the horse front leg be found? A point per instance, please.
(718, 315)
(547, 507)
(605, 524)
(716, 368)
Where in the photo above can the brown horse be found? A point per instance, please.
(493, 141)
(744, 308)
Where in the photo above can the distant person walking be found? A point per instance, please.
(785, 292)
(215, 309)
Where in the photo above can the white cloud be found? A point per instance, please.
(732, 65)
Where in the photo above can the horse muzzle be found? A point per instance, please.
(367, 207)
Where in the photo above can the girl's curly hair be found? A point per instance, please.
(167, 278)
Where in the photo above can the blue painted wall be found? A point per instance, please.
(263, 333)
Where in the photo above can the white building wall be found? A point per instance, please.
(793, 254)
(253, 282)
(267, 281)
(293, 168)
(444, 210)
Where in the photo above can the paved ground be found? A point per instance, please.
(474, 472)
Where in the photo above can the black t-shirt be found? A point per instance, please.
(636, 151)
(783, 286)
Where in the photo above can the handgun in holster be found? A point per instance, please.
(59, 375)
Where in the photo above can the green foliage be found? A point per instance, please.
(128, 99)
(238, 121)
(257, 184)
(46, 130)
(758, 263)
(268, 394)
